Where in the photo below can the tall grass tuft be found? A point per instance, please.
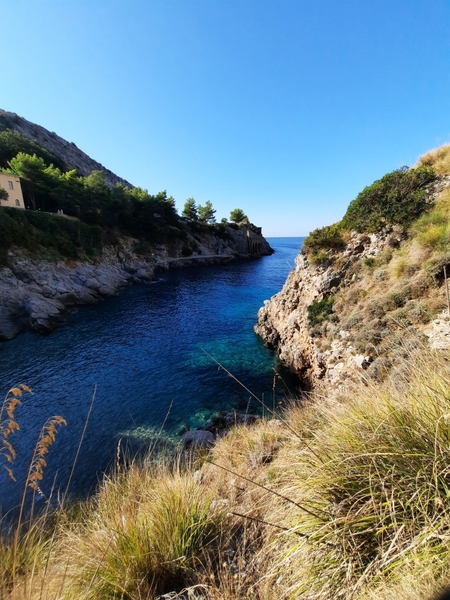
(23, 540)
(144, 534)
(439, 159)
(376, 481)
(9, 425)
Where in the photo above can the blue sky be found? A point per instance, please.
(284, 108)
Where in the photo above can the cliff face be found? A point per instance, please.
(350, 313)
(36, 294)
(283, 321)
(68, 152)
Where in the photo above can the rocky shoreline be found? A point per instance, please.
(36, 294)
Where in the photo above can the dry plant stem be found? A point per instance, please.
(9, 425)
(263, 487)
(273, 413)
(236, 514)
(46, 438)
(80, 444)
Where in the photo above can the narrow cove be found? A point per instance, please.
(145, 353)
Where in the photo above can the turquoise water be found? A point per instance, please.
(147, 354)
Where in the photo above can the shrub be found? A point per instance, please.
(319, 257)
(318, 312)
(34, 230)
(397, 198)
(330, 236)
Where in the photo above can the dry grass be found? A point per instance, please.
(375, 481)
(24, 542)
(438, 158)
(350, 499)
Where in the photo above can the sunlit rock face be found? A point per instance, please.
(327, 356)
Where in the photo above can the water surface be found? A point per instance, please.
(147, 354)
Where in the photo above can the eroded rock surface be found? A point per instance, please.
(283, 320)
(36, 294)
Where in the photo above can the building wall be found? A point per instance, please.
(11, 184)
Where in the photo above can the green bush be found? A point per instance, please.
(397, 198)
(324, 238)
(318, 312)
(34, 231)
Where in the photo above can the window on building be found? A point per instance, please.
(17, 202)
(10, 185)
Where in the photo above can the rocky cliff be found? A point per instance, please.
(36, 294)
(68, 152)
(348, 311)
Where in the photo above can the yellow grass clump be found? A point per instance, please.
(439, 158)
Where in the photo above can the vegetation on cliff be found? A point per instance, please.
(398, 198)
(73, 217)
(390, 273)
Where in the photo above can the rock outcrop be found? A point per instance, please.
(372, 314)
(36, 294)
(283, 320)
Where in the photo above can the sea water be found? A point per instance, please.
(156, 360)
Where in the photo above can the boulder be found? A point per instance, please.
(197, 439)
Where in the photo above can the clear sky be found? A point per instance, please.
(284, 108)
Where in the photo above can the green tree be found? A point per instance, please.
(206, 214)
(37, 182)
(96, 197)
(190, 210)
(12, 142)
(237, 215)
(3, 194)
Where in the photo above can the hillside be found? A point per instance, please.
(360, 285)
(65, 154)
(86, 232)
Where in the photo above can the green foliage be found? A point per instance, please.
(190, 212)
(3, 194)
(12, 142)
(237, 215)
(369, 261)
(37, 231)
(397, 198)
(129, 211)
(324, 238)
(318, 312)
(432, 230)
(117, 211)
(206, 214)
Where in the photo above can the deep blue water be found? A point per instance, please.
(144, 352)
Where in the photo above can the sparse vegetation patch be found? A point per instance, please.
(319, 311)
